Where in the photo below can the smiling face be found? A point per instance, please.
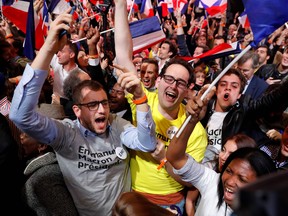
(284, 60)
(149, 76)
(238, 173)
(82, 59)
(228, 92)
(97, 120)
(171, 95)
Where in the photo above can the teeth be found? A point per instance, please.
(229, 190)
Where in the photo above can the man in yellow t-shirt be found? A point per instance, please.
(168, 113)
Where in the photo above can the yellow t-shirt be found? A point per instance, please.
(145, 176)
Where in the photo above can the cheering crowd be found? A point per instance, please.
(89, 127)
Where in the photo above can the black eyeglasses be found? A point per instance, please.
(94, 105)
(179, 82)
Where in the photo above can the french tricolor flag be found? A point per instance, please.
(219, 51)
(243, 20)
(146, 33)
(147, 8)
(214, 7)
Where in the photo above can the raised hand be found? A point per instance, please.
(129, 81)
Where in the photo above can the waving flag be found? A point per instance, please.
(219, 51)
(21, 9)
(243, 20)
(162, 9)
(29, 44)
(6, 2)
(147, 8)
(265, 16)
(214, 7)
(146, 33)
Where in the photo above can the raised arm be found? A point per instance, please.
(123, 39)
(196, 108)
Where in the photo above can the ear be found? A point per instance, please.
(42, 147)
(170, 53)
(72, 55)
(77, 110)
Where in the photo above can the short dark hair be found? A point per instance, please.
(172, 47)
(91, 84)
(260, 162)
(152, 61)
(236, 72)
(267, 49)
(74, 48)
(184, 64)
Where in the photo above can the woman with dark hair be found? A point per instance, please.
(135, 204)
(231, 144)
(243, 166)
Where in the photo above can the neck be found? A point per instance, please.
(169, 114)
(69, 66)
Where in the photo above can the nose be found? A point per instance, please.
(101, 108)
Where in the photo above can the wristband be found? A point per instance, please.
(93, 56)
(81, 29)
(9, 36)
(162, 163)
(16, 81)
(141, 100)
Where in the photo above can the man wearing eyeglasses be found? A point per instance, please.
(92, 151)
(161, 186)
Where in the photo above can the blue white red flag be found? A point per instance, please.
(243, 20)
(6, 2)
(146, 33)
(214, 7)
(147, 8)
(21, 9)
(265, 16)
(219, 51)
(29, 44)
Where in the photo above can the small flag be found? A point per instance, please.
(219, 51)
(146, 33)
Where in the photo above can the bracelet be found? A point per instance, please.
(177, 26)
(16, 81)
(81, 29)
(93, 56)
(9, 36)
(223, 24)
(162, 163)
(141, 100)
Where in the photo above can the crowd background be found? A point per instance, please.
(189, 34)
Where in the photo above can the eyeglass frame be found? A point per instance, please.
(175, 80)
(96, 105)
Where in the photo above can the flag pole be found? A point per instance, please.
(85, 38)
(213, 84)
(131, 9)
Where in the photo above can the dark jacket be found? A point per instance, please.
(242, 116)
(256, 88)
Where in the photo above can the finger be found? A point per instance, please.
(120, 67)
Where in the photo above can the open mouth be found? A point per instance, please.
(100, 120)
(226, 96)
(171, 95)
